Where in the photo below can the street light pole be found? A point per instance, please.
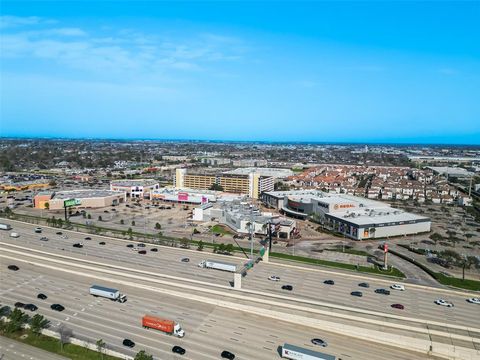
(251, 233)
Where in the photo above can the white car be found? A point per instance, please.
(397, 287)
(443, 303)
(274, 278)
(474, 300)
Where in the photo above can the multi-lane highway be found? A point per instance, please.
(211, 327)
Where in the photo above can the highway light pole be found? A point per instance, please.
(251, 233)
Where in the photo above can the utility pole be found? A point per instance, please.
(251, 233)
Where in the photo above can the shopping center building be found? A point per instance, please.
(355, 217)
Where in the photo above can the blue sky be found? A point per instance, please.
(280, 71)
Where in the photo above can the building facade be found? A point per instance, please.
(252, 184)
(354, 217)
(85, 199)
(136, 188)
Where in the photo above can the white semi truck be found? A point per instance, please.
(293, 352)
(109, 293)
(219, 265)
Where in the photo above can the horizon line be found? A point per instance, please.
(305, 142)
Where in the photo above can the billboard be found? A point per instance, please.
(71, 202)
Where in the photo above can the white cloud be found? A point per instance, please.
(8, 21)
(110, 51)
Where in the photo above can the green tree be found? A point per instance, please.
(17, 319)
(59, 222)
(5, 311)
(200, 246)
(142, 355)
(100, 346)
(122, 222)
(89, 216)
(229, 248)
(221, 248)
(47, 206)
(216, 187)
(158, 226)
(100, 218)
(133, 222)
(38, 323)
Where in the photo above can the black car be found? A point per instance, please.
(13, 267)
(128, 343)
(77, 245)
(57, 307)
(329, 282)
(130, 245)
(101, 243)
(19, 304)
(356, 293)
(364, 285)
(143, 252)
(227, 355)
(141, 245)
(178, 350)
(154, 249)
(88, 238)
(287, 287)
(31, 307)
(42, 296)
(382, 291)
(59, 233)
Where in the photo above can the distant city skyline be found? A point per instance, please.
(326, 72)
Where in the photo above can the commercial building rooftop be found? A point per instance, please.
(134, 182)
(82, 194)
(377, 217)
(273, 172)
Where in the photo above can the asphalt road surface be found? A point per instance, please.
(211, 329)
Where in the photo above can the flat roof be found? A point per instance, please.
(134, 182)
(282, 194)
(274, 172)
(84, 194)
(378, 217)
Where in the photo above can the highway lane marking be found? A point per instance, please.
(282, 304)
(308, 269)
(228, 294)
(353, 330)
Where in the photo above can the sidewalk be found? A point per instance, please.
(13, 350)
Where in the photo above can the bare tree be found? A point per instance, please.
(101, 346)
(65, 334)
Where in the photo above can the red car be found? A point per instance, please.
(398, 306)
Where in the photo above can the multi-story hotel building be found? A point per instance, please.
(252, 184)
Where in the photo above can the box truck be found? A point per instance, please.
(109, 293)
(5, 227)
(293, 352)
(167, 326)
(219, 265)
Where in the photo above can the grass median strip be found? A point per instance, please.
(371, 270)
(52, 345)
